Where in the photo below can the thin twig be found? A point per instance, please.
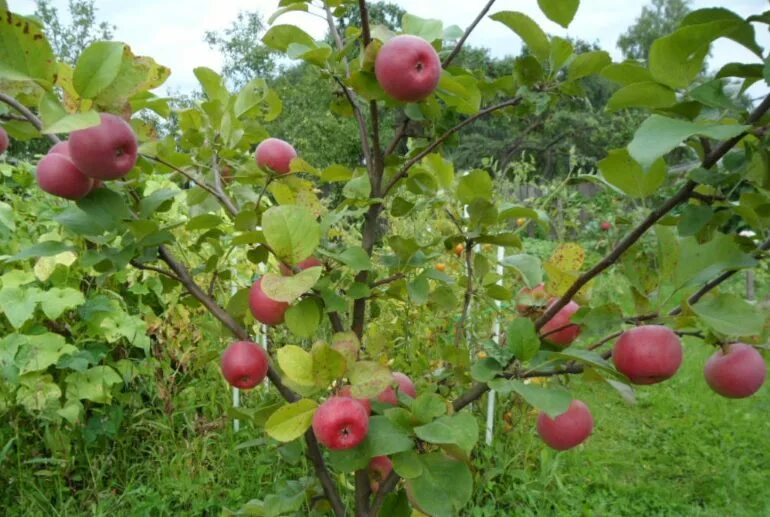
(27, 113)
(147, 267)
(467, 33)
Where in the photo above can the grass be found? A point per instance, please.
(681, 450)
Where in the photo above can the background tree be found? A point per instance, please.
(69, 39)
(656, 20)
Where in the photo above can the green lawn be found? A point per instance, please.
(680, 451)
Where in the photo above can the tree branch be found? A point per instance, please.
(147, 267)
(440, 140)
(468, 297)
(27, 113)
(467, 33)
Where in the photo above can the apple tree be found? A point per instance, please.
(239, 223)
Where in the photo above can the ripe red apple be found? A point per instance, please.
(405, 385)
(305, 264)
(606, 226)
(536, 294)
(346, 391)
(107, 151)
(244, 364)
(737, 374)
(568, 333)
(57, 175)
(64, 148)
(408, 68)
(648, 354)
(275, 154)
(340, 423)
(568, 429)
(4, 140)
(379, 468)
(265, 309)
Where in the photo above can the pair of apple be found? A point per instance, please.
(560, 330)
(72, 169)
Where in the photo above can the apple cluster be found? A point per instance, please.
(74, 168)
(646, 354)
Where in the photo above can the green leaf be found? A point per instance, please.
(529, 266)
(559, 11)
(102, 211)
(18, 304)
(477, 184)
(419, 290)
(38, 352)
(94, 384)
(291, 231)
(303, 318)
(41, 249)
(627, 72)
(156, 202)
(444, 487)
(429, 30)
(407, 464)
(328, 364)
(587, 64)
(442, 169)
(552, 401)
(369, 379)
(623, 172)
(37, 392)
(589, 358)
(658, 135)
(57, 300)
(25, 53)
(280, 37)
(561, 51)
(296, 364)
(336, 172)
(428, 406)
(355, 258)
(204, 222)
(347, 344)
(289, 288)
(529, 31)
(295, 6)
(212, 83)
(700, 262)
(486, 369)
(693, 219)
(460, 429)
(730, 315)
(646, 94)
(291, 421)
(523, 340)
(56, 119)
(386, 438)
(97, 67)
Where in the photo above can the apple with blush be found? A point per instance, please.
(567, 430)
(340, 423)
(244, 364)
(408, 68)
(107, 151)
(736, 371)
(265, 309)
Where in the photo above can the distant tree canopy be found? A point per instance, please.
(656, 20)
(69, 40)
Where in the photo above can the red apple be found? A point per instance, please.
(606, 226)
(408, 68)
(340, 423)
(107, 151)
(4, 140)
(648, 354)
(64, 148)
(379, 468)
(568, 429)
(57, 175)
(305, 264)
(275, 154)
(531, 297)
(736, 374)
(346, 391)
(244, 364)
(265, 309)
(405, 385)
(568, 333)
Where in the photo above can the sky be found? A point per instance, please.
(172, 32)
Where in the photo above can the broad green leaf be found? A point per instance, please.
(95, 384)
(56, 119)
(486, 369)
(97, 67)
(587, 64)
(693, 219)
(529, 31)
(552, 401)
(355, 258)
(658, 135)
(386, 438)
(407, 464)
(303, 318)
(730, 315)
(428, 406)
(523, 340)
(700, 262)
(335, 173)
(25, 53)
(626, 73)
(623, 172)
(646, 94)
(289, 288)
(589, 358)
(157, 202)
(296, 364)
(7, 216)
(427, 29)
(743, 33)
(103, 210)
(57, 300)
(529, 266)
(328, 364)
(40, 351)
(18, 304)
(477, 184)
(37, 392)
(279, 37)
(291, 421)
(291, 231)
(41, 249)
(559, 11)
(442, 169)
(294, 6)
(460, 429)
(369, 379)
(213, 84)
(561, 51)
(444, 487)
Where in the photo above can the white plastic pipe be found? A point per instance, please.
(492, 395)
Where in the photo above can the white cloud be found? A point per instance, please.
(172, 32)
